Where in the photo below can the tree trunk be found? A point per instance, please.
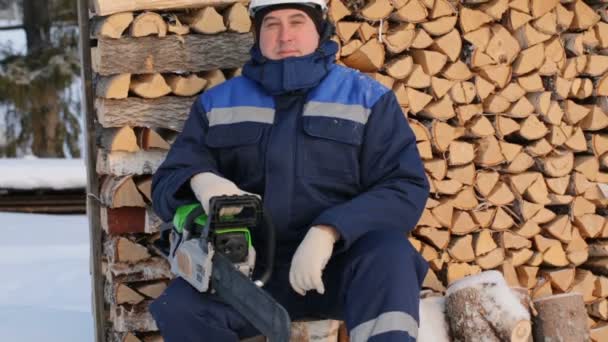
(44, 110)
(37, 25)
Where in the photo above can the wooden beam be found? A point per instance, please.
(188, 53)
(165, 112)
(106, 7)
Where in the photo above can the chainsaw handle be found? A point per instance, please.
(264, 220)
(189, 223)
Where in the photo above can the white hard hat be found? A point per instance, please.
(255, 5)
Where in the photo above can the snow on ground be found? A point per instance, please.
(41, 173)
(45, 287)
(13, 39)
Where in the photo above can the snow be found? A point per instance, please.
(433, 323)
(487, 277)
(43, 173)
(45, 292)
(12, 39)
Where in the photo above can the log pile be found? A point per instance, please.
(149, 66)
(507, 99)
(510, 123)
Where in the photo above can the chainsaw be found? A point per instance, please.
(214, 253)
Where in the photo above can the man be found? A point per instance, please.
(331, 154)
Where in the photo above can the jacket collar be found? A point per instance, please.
(292, 73)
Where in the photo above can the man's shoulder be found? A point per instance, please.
(352, 86)
(358, 78)
(236, 91)
(235, 84)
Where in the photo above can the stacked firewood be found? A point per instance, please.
(507, 104)
(507, 99)
(149, 67)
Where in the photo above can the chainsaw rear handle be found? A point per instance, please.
(252, 215)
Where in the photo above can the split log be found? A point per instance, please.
(412, 12)
(457, 71)
(368, 31)
(122, 250)
(151, 290)
(440, 26)
(471, 19)
(553, 311)
(584, 283)
(350, 48)
(176, 26)
(456, 271)
(114, 25)
(449, 44)
(118, 139)
(494, 313)
(122, 294)
(422, 40)
(492, 259)
(149, 86)
(347, 29)
(418, 78)
(152, 55)
(557, 164)
(561, 279)
(186, 85)
(147, 24)
(151, 139)
(206, 21)
(479, 38)
(440, 8)
(460, 249)
(120, 192)
(113, 87)
(436, 237)
(400, 68)
(144, 185)
(441, 86)
(369, 58)
(237, 19)
(376, 10)
(432, 62)
(527, 276)
(584, 16)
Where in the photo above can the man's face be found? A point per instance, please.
(287, 33)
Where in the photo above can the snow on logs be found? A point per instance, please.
(484, 308)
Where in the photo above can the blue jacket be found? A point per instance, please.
(325, 146)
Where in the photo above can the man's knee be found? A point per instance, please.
(174, 304)
(391, 253)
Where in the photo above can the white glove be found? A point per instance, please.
(310, 259)
(207, 185)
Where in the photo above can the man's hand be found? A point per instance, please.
(310, 259)
(207, 185)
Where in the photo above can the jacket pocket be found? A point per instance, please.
(226, 136)
(238, 150)
(329, 148)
